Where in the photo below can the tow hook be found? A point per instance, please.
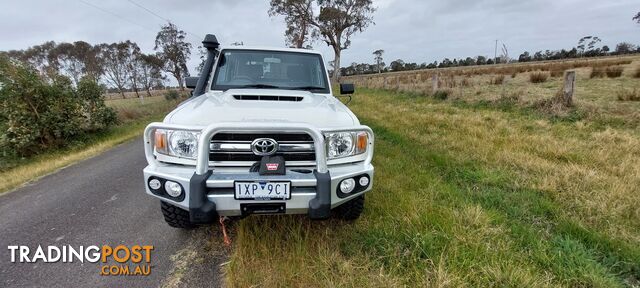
(225, 236)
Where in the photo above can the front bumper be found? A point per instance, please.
(209, 191)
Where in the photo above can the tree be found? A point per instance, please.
(38, 57)
(67, 61)
(637, 18)
(133, 64)
(335, 23)
(297, 15)
(397, 65)
(447, 63)
(202, 53)
(538, 56)
(150, 72)
(524, 57)
(378, 58)
(587, 43)
(174, 52)
(481, 60)
(410, 66)
(116, 57)
(74, 60)
(624, 48)
(468, 61)
(339, 20)
(332, 67)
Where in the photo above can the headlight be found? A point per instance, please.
(177, 143)
(344, 144)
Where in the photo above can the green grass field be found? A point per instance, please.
(474, 191)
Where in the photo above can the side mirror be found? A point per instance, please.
(347, 88)
(191, 82)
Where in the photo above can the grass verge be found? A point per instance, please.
(466, 195)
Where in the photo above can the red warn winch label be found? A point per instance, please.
(272, 166)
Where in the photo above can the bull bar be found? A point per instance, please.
(196, 181)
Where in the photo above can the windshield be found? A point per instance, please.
(270, 70)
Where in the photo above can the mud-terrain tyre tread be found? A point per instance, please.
(176, 217)
(351, 210)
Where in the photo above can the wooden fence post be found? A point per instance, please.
(569, 87)
(434, 82)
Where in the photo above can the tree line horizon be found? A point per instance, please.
(118, 67)
(585, 49)
(123, 67)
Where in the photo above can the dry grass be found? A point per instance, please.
(538, 77)
(597, 72)
(629, 95)
(132, 95)
(614, 71)
(399, 79)
(134, 108)
(556, 73)
(497, 80)
(590, 103)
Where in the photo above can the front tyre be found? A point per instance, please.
(176, 217)
(350, 210)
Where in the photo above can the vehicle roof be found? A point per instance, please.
(265, 48)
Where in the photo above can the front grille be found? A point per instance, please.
(237, 147)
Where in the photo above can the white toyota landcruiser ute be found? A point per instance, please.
(261, 134)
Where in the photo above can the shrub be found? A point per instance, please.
(465, 82)
(97, 115)
(636, 74)
(497, 80)
(597, 72)
(509, 100)
(37, 114)
(614, 71)
(171, 95)
(556, 72)
(629, 95)
(538, 77)
(441, 94)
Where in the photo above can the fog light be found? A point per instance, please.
(173, 189)
(155, 184)
(364, 181)
(347, 185)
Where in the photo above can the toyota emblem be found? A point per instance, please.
(264, 146)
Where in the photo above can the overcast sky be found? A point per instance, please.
(412, 30)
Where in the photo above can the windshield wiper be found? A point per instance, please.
(305, 88)
(260, 86)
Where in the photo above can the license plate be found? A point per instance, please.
(263, 190)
